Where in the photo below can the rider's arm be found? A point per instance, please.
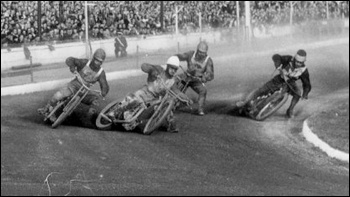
(103, 84)
(185, 56)
(277, 60)
(147, 68)
(75, 63)
(208, 75)
(305, 79)
(152, 70)
(280, 63)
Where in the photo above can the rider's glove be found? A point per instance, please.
(203, 79)
(189, 102)
(155, 74)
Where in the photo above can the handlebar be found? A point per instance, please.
(81, 80)
(172, 93)
(196, 78)
(286, 81)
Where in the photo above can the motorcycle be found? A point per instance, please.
(65, 107)
(183, 80)
(262, 106)
(148, 116)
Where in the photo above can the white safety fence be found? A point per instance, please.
(44, 86)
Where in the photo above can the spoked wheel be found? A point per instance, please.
(270, 106)
(103, 121)
(66, 111)
(59, 106)
(159, 116)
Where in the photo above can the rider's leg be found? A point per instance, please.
(92, 101)
(139, 97)
(170, 123)
(131, 101)
(202, 95)
(295, 92)
(290, 110)
(58, 96)
(271, 85)
(249, 97)
(123, 105)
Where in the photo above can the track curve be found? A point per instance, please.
(218, 154)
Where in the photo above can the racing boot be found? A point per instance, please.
(171, 124)
(53, 118)
(172, 128)
(290, 110)
(290, 113)
(92, 111)
(201, 111)
(201, 103)
(45, 111)
(240, 104)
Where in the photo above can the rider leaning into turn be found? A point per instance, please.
(291, 69)
(91, 72)
(160, 78)
(199, 64)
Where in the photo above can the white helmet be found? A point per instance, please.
(174, 61)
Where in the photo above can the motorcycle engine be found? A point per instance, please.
(130, 126)
(128, 115)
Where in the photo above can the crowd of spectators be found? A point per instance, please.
(64, 21)
(278, 12)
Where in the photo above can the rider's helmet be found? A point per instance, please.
(202, 47)
(276, 58)
(174, 62)
(100, 55)
(300, 56)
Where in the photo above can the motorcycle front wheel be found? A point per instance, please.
(67, 110)
(270, 106)
(158, 117)
(102, 121)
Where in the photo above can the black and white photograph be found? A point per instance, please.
(174, 98)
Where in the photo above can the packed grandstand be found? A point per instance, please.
(64, 21)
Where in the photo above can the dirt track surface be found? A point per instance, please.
(221, 153)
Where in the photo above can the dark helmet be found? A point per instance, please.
(276, 58)
(203, 47)
(300, 56)
(100, 55)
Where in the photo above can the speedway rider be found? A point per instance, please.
(291, 69)
(200, 65)
(91, 72)
(160, 78)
